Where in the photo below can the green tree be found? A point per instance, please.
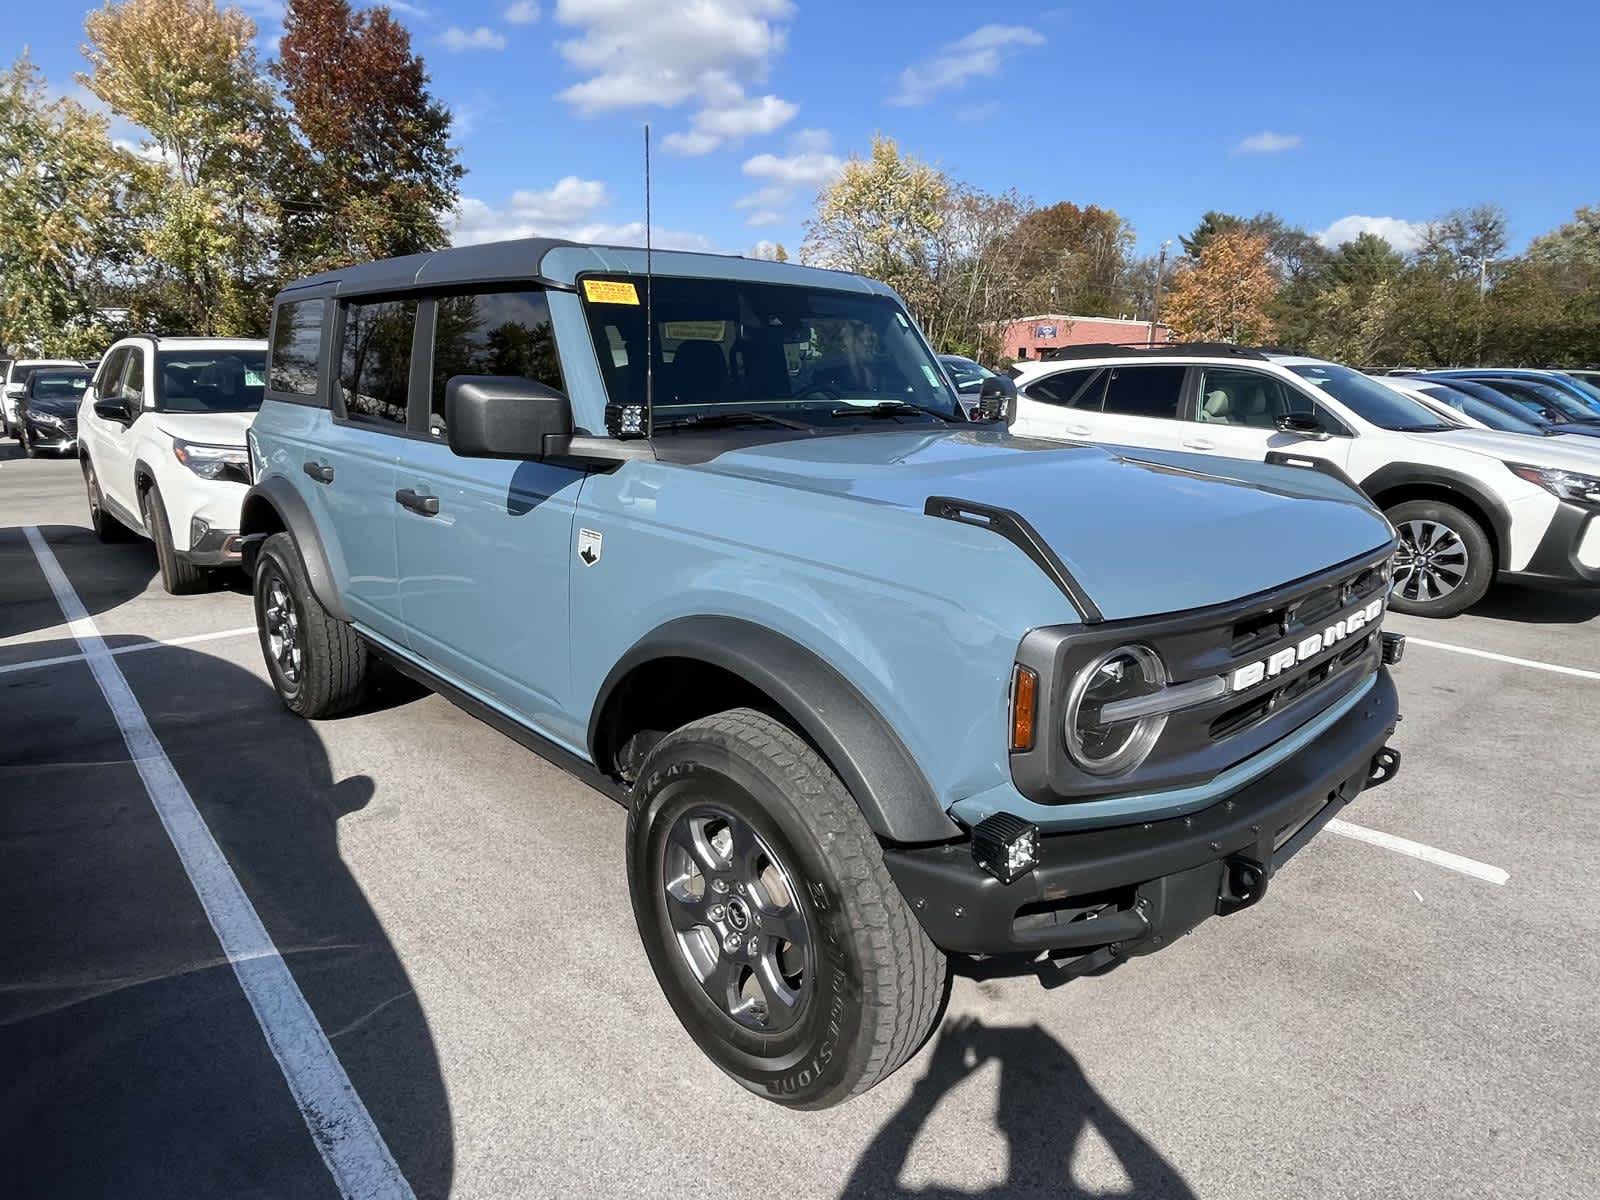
(372, 169)
(1211, 224)
(63, 223)
(187, 74)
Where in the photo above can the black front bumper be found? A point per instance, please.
(1113, 893)
(1555, 561)
(214, 548)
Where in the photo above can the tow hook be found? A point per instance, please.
(1385, 765)
(1244, 881)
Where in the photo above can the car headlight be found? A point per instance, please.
(1565, 485)
(213, 462)
(45, 418)
(1114, 747)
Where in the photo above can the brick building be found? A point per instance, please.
(1024, 337)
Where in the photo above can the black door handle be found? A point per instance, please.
(426, 506)
(321, 472)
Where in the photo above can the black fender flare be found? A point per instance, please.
(1393, 475)
(872, 762)
(277, 494)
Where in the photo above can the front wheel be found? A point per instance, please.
(106, 527)
(318, 664)
(178, 576)
(1444, 563)
(769, 918)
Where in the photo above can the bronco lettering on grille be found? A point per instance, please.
(1279, 661)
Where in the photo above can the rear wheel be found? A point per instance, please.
(178, 576)
(769, 918)
(1444, 563)
(106, 527)
(318, 664)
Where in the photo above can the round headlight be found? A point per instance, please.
(1104, 747)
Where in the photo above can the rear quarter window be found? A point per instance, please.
(294, 359)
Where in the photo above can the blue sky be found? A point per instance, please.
(1338, 116)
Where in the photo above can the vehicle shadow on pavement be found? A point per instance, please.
(105, 576)
(1538, 606)
(1046, 1109)
(133, 1063)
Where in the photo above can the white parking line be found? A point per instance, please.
(153, 644)
(345, 1135)
(1400, 845)
(1580, 672)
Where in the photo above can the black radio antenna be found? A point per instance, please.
(649, 313)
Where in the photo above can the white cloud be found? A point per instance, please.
(1404, 236)
(573, 208)
(982, 52)
(404, 9)
(1268, 142)
(455, 39)
(808, 166)
(523, 12)
(637, 53)
(764, 217)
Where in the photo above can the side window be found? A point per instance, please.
(491, 333)
(1069, 389)
(133, 377)
(296, 347)
(1144, 391)
(1232, 397)
(375, 361)
(109, 381)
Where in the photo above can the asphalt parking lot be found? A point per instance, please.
(454, 912)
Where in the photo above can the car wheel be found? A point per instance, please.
(178, 577)
(26, 438)
(318, 663)
(1444, 563)
(106, 527)
(769, 918)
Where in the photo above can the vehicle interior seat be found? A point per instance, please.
(698, 372)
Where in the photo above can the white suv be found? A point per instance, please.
(1470, 505)
(162, 438)
(16, 382)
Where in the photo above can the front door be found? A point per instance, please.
(1236, 412)
(485, 545)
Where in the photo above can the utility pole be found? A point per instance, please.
(1483, 290)
(1155, 308)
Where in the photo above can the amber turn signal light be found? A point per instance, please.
(1024, 707)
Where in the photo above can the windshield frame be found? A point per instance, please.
(825, 412)
(164, 358)
(1425, 420)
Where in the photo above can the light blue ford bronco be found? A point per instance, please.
(879, 683)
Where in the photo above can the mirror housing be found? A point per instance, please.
(114, 408)
(503, 416)
(997, 400)
(1302, 425)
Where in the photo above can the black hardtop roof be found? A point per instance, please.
(519, 259)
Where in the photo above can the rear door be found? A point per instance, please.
(1235, 414)
(486, 544)
(1140, 406)
(1052, 405)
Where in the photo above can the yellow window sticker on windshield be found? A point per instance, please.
(610, 291)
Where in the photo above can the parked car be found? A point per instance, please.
(878, 684)
(973, 380)
(1583, 394)
(1507, 405)
(47, 411)
(1586, 376)
(1470, 505)
(16, 379)
(162, 430)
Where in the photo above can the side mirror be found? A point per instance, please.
(1302, 425)
(503, 416)
(114, 408)
(997, 400)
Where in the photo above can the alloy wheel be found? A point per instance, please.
(1430, 562)
(282, 625)
(737, 920)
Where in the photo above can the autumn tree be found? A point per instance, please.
(1076, 259)
(187, 74)
(63, 226)
(1225, 293)
(373, 169)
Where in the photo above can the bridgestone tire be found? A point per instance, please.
(878, 984)
(1480, 558)
(334, 660)
(178, 577)
(106, 527)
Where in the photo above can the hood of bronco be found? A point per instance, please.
(1142, 531)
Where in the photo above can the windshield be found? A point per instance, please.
(207, 381)
(1589, 390)
(48, 386)
(1543, 397)
(966, 373)
(1483, 411)
(726, 348)
(1372, 401)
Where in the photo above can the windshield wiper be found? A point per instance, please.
(889, 408)
(723, 419)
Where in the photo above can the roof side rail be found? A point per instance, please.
(1140, 349)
